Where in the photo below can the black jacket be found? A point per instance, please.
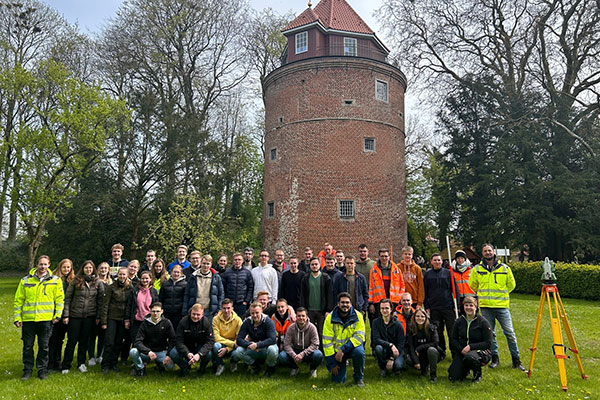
(362, 290)
(155, 337)
(326, 293)
(438, 289)
(478, 338)
(421, 342)
(289, 288)
(171, 295)
(194, 337)
(85, 301)
(386, 335)
(238, 285)
(263, 335)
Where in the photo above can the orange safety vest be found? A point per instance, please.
(462, 281)
(279, 328)
(321, 257)
(376, 288)
(400, 316)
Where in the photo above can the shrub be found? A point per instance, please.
(13, 255)
(574, 280)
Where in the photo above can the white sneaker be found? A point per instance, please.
(220, 370)
(313, 373)
(98, 360)
(294, 371)
(65, 371)
(233, 367)
(82, 368)
(92, 362)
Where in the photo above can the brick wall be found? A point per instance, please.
(320, 155)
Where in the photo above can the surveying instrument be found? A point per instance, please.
(558, 348)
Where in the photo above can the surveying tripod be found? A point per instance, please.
(558, 348)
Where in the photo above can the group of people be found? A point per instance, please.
(195, 312)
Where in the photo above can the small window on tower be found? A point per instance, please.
(381, 90)
(274, 154)
(270, 209)
(346, 209)
(350, 47)
(301, 42)
(369, 145)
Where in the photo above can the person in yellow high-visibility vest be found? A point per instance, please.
(344, 338)
(39, 303)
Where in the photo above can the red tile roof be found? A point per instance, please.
(332, 14)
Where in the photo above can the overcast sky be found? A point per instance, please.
(91, 14)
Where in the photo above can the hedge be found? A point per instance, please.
(574, 280)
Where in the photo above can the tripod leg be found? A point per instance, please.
(558, 347)
(536, 334)
(569, 332)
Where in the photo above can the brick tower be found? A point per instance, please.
(334, 167)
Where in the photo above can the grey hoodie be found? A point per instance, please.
(301, 341)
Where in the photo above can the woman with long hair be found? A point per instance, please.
(83, 302)
(159, 273)
(112, 320)
(423, 341)
(138, 306)
(65, 272)
(171, 295)
(95, 353)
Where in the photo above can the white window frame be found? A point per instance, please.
(381, 83)
(301, 38)
(367, 150)
(349, 202)
(350, 47)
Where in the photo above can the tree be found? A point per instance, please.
(64, 137)
(536, 65)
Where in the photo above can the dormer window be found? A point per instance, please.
(301, 42)
(350, 47)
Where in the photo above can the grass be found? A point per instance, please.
(502, 383)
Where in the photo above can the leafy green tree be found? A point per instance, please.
(64, 137)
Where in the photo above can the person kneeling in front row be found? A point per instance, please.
(153, 341)
(257, 341)
(301, 344)
(344, 338)
(194, 341)
(470, 342)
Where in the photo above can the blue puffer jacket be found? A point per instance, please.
(191, 293)
(238, 285)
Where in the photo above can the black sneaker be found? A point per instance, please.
(255, 369)
(26, 375)
(433, 379)
(495, 361)
(140, 372)
(269, 372)
(43, 375)
(105, 370)
(115, 369)
(477, 377)
(516, 363)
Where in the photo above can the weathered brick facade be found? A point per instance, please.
(318, 113)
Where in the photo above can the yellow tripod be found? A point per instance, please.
(558, 348)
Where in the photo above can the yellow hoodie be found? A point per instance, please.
(225, 332)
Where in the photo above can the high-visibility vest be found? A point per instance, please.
(462, 281)
(38, 300)
(376, 288)
(321, 257)
(280, 328)
(337, 333)
(493, 287)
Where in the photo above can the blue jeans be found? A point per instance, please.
(216, 360)
(314, 359)
(382, 355)
(358, 364)
(504, 318)
(250, 356)
(138, 358)
(182, 361)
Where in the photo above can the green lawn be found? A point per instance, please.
(502, 383)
